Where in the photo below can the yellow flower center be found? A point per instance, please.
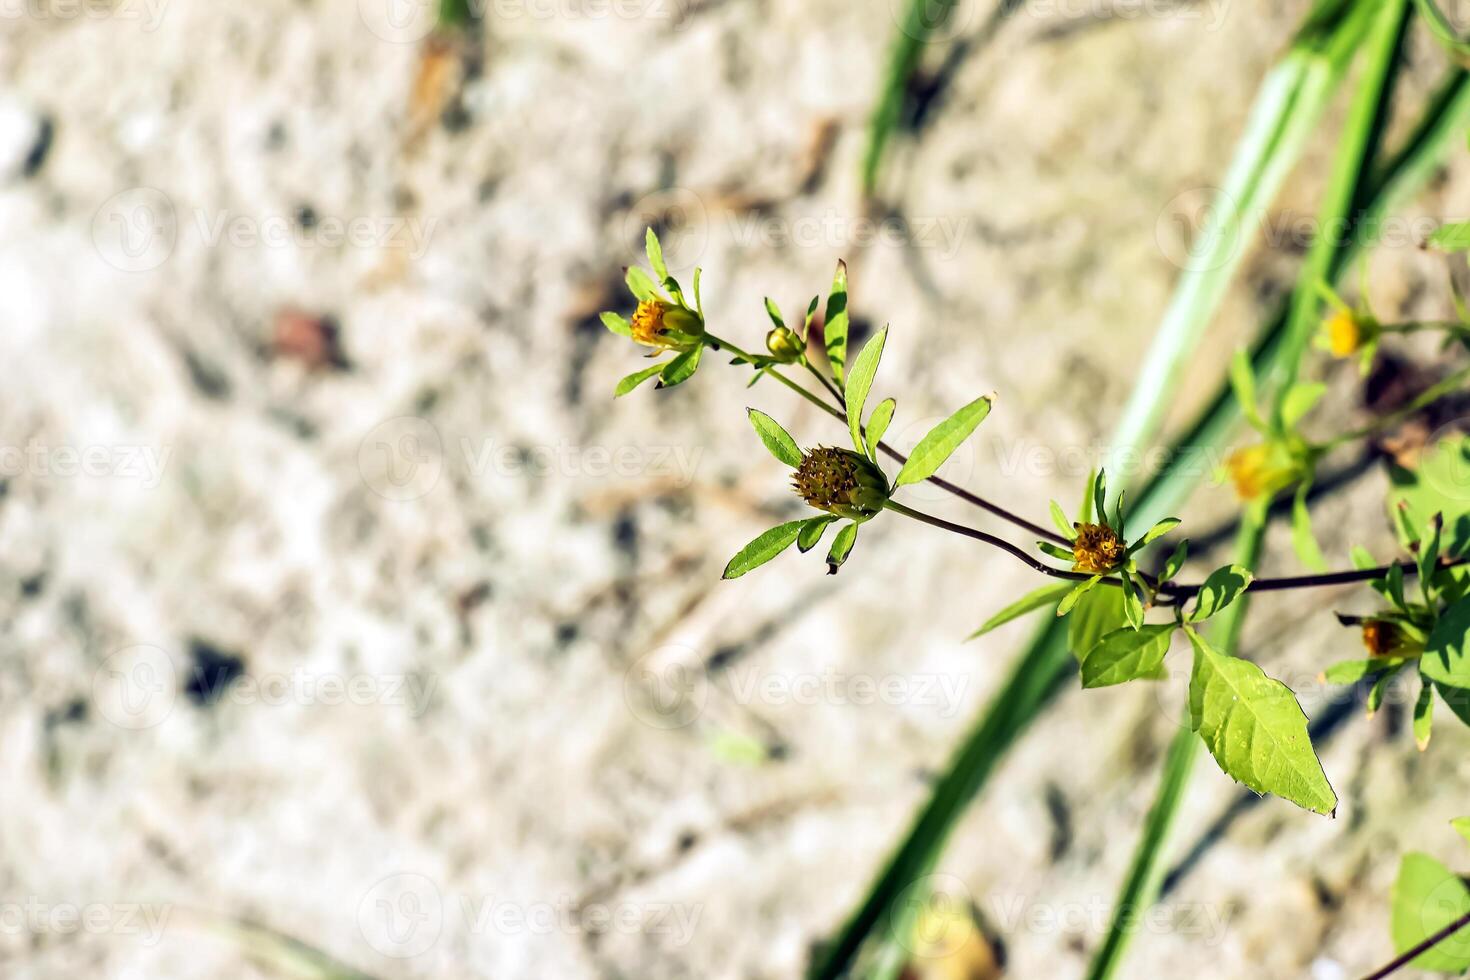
(1344, 333)
(1097, 549)
(648, 322)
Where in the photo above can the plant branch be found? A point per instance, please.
(1403, 958)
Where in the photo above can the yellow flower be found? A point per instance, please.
(841, 482)
(1344, 333)
(1385, 638)
(1260, 470)
(1097, 549)
(784, 345)
(660, 324)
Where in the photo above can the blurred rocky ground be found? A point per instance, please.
(341, 598)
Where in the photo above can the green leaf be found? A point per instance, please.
(1423, 714)
(1127, 654)
(1302, 538)
(1352, 671)
(878, 425)
(1380, 688)
(681, 368)
(774, 312)
(1223, 587)
(635, 379)
(1428, 559)
(1426, 898)
(1056, 551)
(1154, 533)
(1453, 237)
(1462, 826)
(777, 439)
(834, 325)
(1132, 604)
(1175, 562)
(859, 382)
(1100, 497)
(1440, 484)
(1078, 591)
(1457, 699)
(655, 255)
(765, 547)
(1084, 513)
(698, 302)
(811, 311)
(1300, 399)
(1255, 729)
(811, 532)
(1059, 518)
(1393, 582)
(617, 324)
(942, 441)
(841, 547)
(1447, 651)
(1243, 382)
(1098, 613)
(640, 285)
(1045, 596)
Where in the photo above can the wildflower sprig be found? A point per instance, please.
(1250, 722)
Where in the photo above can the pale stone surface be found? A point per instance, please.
(485, 554)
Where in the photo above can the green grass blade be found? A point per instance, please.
(920, 21)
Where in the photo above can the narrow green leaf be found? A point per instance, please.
(1056, 551)
(811, 532)
(1255, 729)
(1423, 715)
(1223, 587)
(1175, 562)
(1302, 538)
(655, 255)
(864, 368)
(1300, 399)
(1098, 613)
(941, 441)
(1352, 671)
(641, 285)
(681, 368)
(1428, 559)
(811, 312)
(1127, 654)
(1454, 237)
(698, 302)
(1059, 518)
(1100, 497)
(878, 425)
(1132, 604)
(617, 324)
(1084, 513)
(776, 439)
(1447, 652)
(774, 312)
(1462, 826)
(1379, 689)
(1036, 599)
(635, 379)
(841, 547)
(834, 325)
(1426, 898)
(1078, 591)
(1154, 533)
(765, 547)
(1243, 382)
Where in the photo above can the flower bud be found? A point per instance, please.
(1261, 470)
(666, 325)
(841, 482)
(1385, 638)
(1097, 549)
(784, 345)
(1345, 332)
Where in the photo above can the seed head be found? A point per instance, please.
(841, 482)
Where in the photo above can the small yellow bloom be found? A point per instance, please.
(841, 482)
(784, 345)
(1344, 333)
(1097, 549)
(1260, 470)
(660, 324)
(1385, 638)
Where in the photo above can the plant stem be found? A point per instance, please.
(1426, 398)
(1404, 958)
